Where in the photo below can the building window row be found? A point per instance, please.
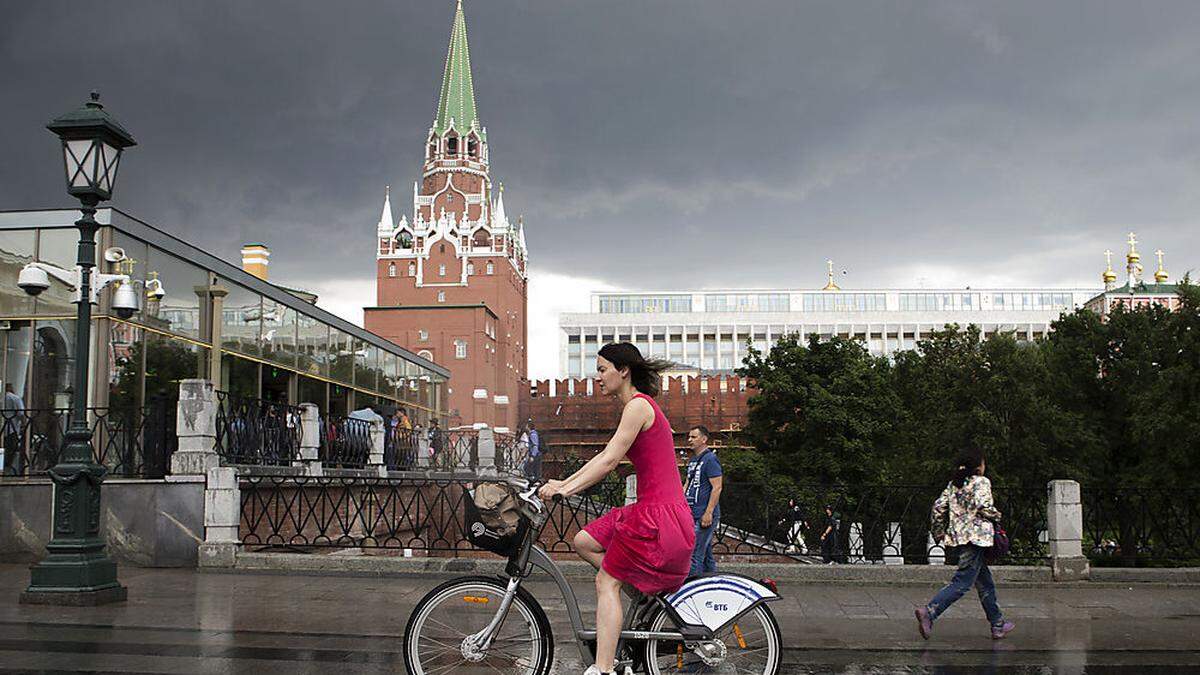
(643, 304)
(936, 302)
(747, 302)
(844, 302)
(1022, 301)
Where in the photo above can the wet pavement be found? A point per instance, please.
(182, 621)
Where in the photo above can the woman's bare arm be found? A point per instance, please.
(633, 419)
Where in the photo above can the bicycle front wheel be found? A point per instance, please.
(435, 638)
(751, 645)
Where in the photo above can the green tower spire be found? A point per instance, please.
(457, 101)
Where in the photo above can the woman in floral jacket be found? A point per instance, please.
(963, 517)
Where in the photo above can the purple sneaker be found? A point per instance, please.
(924, 623)
(999, 632)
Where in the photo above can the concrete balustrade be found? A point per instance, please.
(196, 428)
(1064, 517)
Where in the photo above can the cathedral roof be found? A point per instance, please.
(457, 101)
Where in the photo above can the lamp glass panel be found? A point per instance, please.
(108, 172)
(79, 156)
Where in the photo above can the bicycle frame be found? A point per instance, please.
(528, 556)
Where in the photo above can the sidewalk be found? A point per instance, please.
(184, 621)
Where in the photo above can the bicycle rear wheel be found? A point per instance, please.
(447, 615)
(751, 645)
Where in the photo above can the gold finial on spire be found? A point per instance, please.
(1109, 276)
(1161, 275)
(830, 286)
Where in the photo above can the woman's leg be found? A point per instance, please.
(970, 559)
(588, 548)
(608, 619)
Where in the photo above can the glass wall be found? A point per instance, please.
(639, 304)
(279, 333)
(272, 348)
(313, 339)
(747, 302)
(1032, 301)
(935, 302)
(241, 319)
(845, 302)
(17, 248)
(178, 311)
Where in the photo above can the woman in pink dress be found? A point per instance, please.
(647, 544)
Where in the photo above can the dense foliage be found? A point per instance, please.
(1113, 402)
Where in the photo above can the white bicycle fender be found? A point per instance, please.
(714, 601)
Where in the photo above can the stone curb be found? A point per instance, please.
(917, 575)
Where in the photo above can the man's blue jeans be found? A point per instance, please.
(702, 556)
(972, 571)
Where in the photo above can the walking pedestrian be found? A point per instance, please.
(703, 492)
(795, 515)
(537, 448)
(829, 538)
(963, 517)
(13, 411)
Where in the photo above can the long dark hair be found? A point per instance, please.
(968, 461)
(645, 374)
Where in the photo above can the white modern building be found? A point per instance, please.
(707, 330)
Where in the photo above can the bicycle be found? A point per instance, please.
(715, 623)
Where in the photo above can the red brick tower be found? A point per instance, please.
(451, 284)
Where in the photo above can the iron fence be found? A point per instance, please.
(401, 448)
(512, 452)
(372, 512)
(1141, 527)
(256, 432)
(874, 523)
(345, 442)
(130, 443)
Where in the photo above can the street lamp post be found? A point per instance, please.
(77, 569)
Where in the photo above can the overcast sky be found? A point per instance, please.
(649, 144)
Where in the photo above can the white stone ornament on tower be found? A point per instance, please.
(386, 223)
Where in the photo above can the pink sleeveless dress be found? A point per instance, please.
(649, 544)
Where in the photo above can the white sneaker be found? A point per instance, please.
(593, 670)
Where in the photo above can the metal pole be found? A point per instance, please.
(77, 569)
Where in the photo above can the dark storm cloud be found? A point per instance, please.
(657, 144)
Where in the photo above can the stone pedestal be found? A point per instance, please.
(1064, 518)
(310, 440)
(196, 427)
(486, 452)
(222, 518)
(375, 458)
(423, 449)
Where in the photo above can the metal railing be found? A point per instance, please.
(1141, 527)
(876, 523)
(401, 448)
(255, 432)
(130, 443)
(345, 442)
(372, 512)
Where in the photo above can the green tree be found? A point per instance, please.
(823, 411)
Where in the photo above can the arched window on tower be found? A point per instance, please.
(480, 239)
(472, 148)
(432, 150)
(412, 269)
(452, 146)
(391, 269)
(405, 239)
